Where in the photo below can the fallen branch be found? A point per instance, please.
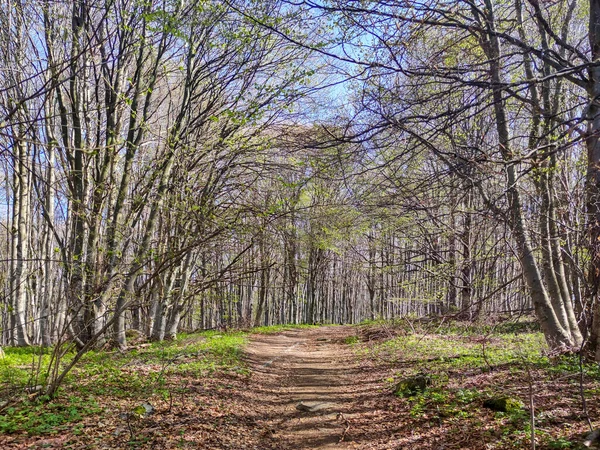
(343, 436)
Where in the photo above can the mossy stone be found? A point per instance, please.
(411, 386)
(133, 334)
(503, 404)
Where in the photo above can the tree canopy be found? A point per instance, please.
(183, 165)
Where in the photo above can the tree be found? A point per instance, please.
(427, 67)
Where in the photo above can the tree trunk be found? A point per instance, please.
(593, 177)
(556, 335)
(21, 210)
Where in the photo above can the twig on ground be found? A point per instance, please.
(409, 324)
(131, 433)
(343, 436)
(484, 354)
(387, 330)
(531, 409)
(435, 331)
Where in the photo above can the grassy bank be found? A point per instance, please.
(109, 384)
(468, 364)
(111, 387)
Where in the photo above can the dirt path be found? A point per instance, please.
(310, 388)
(306, 390)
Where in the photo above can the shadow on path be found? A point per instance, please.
(310, 391)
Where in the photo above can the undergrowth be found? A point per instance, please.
(279, 328)
(469, 363)
(140, 374)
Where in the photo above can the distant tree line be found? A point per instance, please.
(182, 165)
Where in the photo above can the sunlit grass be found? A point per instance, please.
(279, 328)
(469, 363)
(463, 351)
(138, 374)
(459, 344)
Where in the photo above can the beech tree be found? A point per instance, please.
(426, 67)
(122, 99)
(172, 165)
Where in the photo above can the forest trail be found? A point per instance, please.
(310, 392)
(302, 389)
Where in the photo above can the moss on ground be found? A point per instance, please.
(469, 364)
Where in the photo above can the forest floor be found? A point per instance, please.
(314, 388)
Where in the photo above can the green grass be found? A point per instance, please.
(469, 363)
(560, 443)
(137, 374)
(279, 328)
(37, 417)
(464, 352)
(351, 340)
(21, 366)
(456, 345)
